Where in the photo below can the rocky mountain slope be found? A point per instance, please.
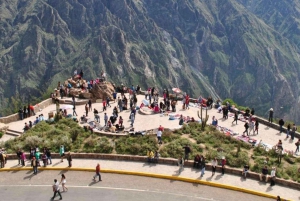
(226, 48)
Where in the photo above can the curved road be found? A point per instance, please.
(23, 185)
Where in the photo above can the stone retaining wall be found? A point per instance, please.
(15, 117)
(167, 161)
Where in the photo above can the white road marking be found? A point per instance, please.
(114, 188)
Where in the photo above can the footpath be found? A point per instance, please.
(167, 171)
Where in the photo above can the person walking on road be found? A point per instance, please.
(56, 190)
(90, 105)
(63, 182)
(97, 173)
(105, 119)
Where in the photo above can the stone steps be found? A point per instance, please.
(13, 133)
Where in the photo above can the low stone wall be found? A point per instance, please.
(271, 125)
(15, 117)
(167, 161)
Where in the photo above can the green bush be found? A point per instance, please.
(136, 145)
(1, 134)
(168, 136)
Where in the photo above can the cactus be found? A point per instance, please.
(203, 120)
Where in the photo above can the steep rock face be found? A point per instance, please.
(208, 47)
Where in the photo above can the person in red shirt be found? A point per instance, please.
(104, 104)
(97, 173)
(160, 128)
(223, 163)
(187, 101)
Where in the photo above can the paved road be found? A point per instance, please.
(23, 185)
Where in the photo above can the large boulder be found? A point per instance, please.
(75, 92)
(102, 90)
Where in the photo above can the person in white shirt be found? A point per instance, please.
(214, 164)
(56, 189)
(273, 176)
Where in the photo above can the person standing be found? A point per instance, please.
(56, 190)
(23, 158)
(235, 118)
(214, 164)
(19, 153)
(273, 176)
(187, 151)
(202, 165)
(21, 113)
(120, 104)
(63, 182)
(34, 165)
(120, 121)
(97, 173)
(90, 105)
(48, 154)
(104, 105)
(288, 129)
(132, 118)
(69, 158)
(158, 135)
(105, 119)
(223, 163)
(252, 111)
(246, 128)
(297, 145)
(74, 111)
(281, 123)
(256, 126)
(180, 164)
(107, 101)
(86, 110)
(62, 153)
(294, 128)
(271, 113)
(251, 127)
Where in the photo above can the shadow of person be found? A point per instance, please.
(29, 177)
(93, 183)
(218, 177)
(269, 189)
(63, 172)
(209, 178)
(55, 164)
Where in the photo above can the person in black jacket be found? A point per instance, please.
(246, 128)
(271, 113)
(281, 123)
(48, 154)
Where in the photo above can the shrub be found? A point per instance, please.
(1, 134)
(168, 136)
(33, 141)
(103, 146)
(136, 145)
